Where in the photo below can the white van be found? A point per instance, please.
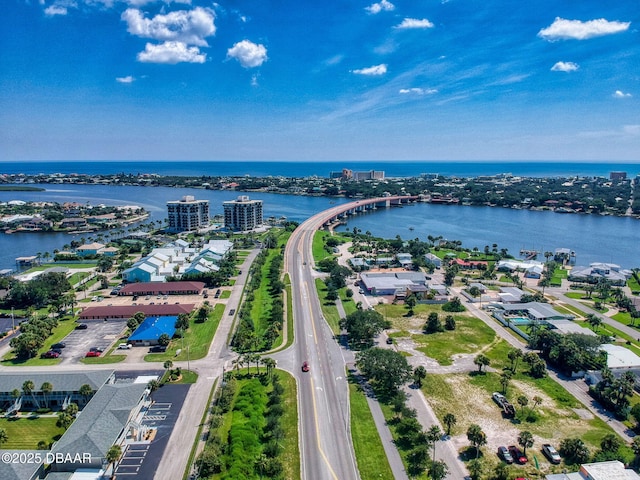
(124, 346)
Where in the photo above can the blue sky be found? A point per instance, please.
(345, 80)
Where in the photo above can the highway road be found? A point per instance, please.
(323, 397)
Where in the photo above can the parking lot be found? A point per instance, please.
(141, 460)
(99, 334)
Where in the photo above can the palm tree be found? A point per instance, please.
(525, 440)
(433, 435)
(86, 391)
(594, 321)
(481, 361)
(4, 438)
(112, 457)
(477, 437)
(28, 387)
(505, 378)
(270, 363)
(450, 421)
(46, 388)
(419, 374)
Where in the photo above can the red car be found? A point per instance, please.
(517, 455)
(305, 367)
(50, 354)
(92, 354)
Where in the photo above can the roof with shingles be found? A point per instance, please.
(20, 470)
(100, 423)
(61, 381)
(161, 287)
(127, 311)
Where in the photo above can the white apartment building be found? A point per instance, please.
(242, 214)
(187, 214)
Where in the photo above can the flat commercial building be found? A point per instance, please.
(187, 214)
(242, 214)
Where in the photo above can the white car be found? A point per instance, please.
(124, 346)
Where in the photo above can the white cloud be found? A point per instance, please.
(621, 94)
(53, 10)
(127, 79)
(562, 29)
(249, 54)
(418, 91)
(565, 67)
(384, 5)
(183, 26)
(171, 53)
(375, 70)
(414, 23)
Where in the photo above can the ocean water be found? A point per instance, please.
(322, 169)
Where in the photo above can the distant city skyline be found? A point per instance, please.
(370, 80)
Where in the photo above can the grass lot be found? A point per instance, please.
(198, 337)
(63, 329)
(574, 310)
(290, 456)
(370, 454)
(329, 310)
(470, 335)
(468, 397)
(225, 294)
(77, 277)
(24, 433)
(633, 284)
(347, 303)
(319, 252)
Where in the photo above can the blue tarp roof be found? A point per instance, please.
(153, 327)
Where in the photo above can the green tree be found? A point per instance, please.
(481, 360)
(523, 401)
(164, 340)
(46, 389)
(362, 326)
(525, 440)
(410, 302)
(438, 470)
(28, 388)
(86, 392)
(450, 421)
(514, 355)
(574, 451)
(419, 374)
(64, 420)
(433, 324)
(449, 322)
(475, 468)
(505, 378)
(113, 455)
(386, 369)
(153, 385)
(4, 438)
(477, 437)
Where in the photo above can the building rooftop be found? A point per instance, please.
(126, 311)
(153, 327)
(61, 381)
(101, 422)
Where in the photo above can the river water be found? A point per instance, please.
(593, 238)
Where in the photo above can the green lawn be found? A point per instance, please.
(225, 294)
(291, 452)
(329, 310)
(24, 433)
(197, 340)
(187, 377)
(470, 335)
(62, 330)
(370, 454)
(633, 284)
(319, 252)
(103, 360)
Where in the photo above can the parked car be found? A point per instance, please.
(96, 349)
(92, 354)
(517, 455)
(158, 349)
(82, 326)
(232, 311)
(124, 346)
(50, 354)
(56, 350)
(551, 453)
(389, 341)
(58, 345)
(504, 454)
(305, 366)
